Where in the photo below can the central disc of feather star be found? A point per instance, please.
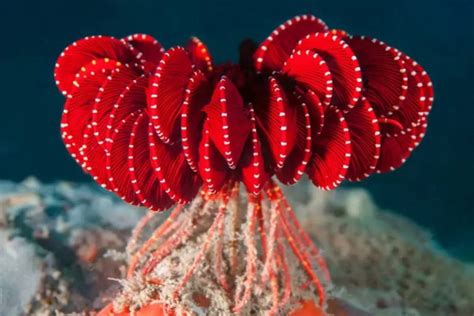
(159, 127)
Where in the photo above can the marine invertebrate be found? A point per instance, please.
(169, 127)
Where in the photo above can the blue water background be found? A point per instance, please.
(434, 188)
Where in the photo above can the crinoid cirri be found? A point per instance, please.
(165, 129)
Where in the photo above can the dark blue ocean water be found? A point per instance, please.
(434, 188)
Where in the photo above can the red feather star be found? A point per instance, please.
(160, 128)
(156, 126)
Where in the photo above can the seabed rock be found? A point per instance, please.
(61, 247)
(382, 262)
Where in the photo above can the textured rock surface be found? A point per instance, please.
(381, 261)
(20, 274)
(55, 237)
(58, 234)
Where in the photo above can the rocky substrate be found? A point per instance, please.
(60, 247)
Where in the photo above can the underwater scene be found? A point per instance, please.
(237, 158)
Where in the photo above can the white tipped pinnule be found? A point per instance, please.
(342, 63)
(297, 160)
(383, 73)
(170, 166)
(146, 49)
(365, 141)
(254, 175)
(200, 55)
(78, 109)
(279, 124)
(84, 51)
(143, 180)
(118, 170)
(131, 98)
(192, 118)
(311, 71)
(110, 92)
(228, 154)
(331, 151)
(228, 121)
(277, 47)
(167, 91)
